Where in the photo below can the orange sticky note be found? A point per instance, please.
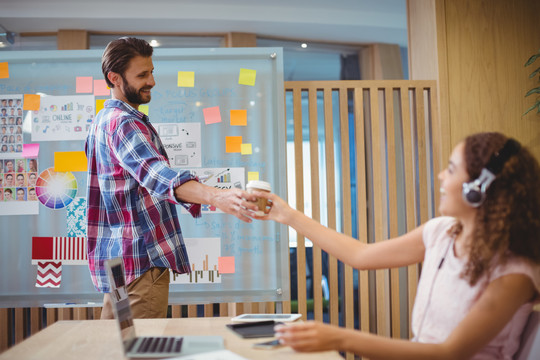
(238, 117)
(186, 79)
(143, 109)
(212, 115)
(245, 149)
(4, 70)
(226, 264)
(70, 161)
(253, 175)
(101, 88)
(233, 144)
(83, 84)
(31, 102)
(100, 104)
(247, 77)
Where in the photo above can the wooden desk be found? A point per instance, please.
(100, 339)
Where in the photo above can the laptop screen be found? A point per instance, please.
(120, 300)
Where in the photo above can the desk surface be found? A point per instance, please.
(100, 339)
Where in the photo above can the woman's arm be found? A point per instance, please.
(404, 250)
(487, 318)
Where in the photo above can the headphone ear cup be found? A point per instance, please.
(472, 194)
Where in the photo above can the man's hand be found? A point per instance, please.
(236, 202)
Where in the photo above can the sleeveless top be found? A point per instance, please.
(443, 298)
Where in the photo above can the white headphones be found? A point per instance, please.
(474, 192)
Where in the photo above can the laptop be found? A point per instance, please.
(149, 346)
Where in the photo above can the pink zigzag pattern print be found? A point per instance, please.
(49, 274)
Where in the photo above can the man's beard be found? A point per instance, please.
(133, 95)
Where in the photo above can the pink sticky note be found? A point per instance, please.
(30, 150)
(83, 84)
(226, 264)
(212, 115)
(100, 88)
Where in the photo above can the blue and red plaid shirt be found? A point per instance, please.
(130, 199)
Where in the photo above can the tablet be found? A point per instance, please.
(254, 329)
(263, 317)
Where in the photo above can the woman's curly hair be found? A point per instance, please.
(508, 221)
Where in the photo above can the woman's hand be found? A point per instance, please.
(278, 211)
(310, 336)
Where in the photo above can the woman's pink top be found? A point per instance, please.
(443, 298)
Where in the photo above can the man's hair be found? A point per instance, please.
(118, 54)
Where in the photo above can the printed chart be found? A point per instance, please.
(56, 190)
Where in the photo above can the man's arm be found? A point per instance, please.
(234, 201)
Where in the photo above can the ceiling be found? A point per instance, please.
(341, 21)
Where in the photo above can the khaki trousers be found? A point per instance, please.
(148, 296)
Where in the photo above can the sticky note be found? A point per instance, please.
(83, 84)
(101, 88)
(4, 70)
(186, 79)
(238, 117)
(100, 104)
(31, 102)
(212, 115)
(233, 144)
(253, 175)
(226, 264)
(245, 149)
(144, 109)
(30, 150)
(247, 77)
(70, 161)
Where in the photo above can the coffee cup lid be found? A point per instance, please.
(259, 184)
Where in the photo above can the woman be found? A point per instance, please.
(481, 261)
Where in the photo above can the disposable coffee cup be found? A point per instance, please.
(259, 185)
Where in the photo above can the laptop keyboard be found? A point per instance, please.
(160, 345)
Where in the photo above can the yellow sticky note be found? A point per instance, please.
(245, 149)
(253, 175)
(186, 79)
(4, 70)
(226, 264)
(238, 117)
(144, 109)
(70, 161)
(31, 102)
(100, 104)
(233, 144)
(247, 77)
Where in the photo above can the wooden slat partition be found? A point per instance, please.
(395, 137)
(392, 142)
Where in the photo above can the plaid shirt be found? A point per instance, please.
(130, 199)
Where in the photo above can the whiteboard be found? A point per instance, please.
(259, 250)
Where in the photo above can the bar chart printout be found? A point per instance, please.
(203, 257)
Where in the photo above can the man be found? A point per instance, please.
(132, 190)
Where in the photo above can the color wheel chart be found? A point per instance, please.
(56, 190)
